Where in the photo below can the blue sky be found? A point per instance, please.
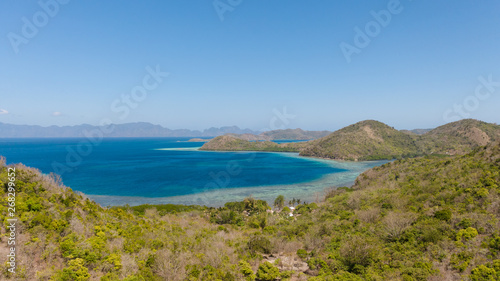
(420, 69)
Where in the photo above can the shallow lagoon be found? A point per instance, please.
(136, 171)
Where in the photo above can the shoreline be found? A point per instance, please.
(303, 156)
(311, 191)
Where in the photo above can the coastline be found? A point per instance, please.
(298, 153)
(308, 188)
(311, 191)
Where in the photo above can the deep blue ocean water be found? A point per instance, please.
(121, 168)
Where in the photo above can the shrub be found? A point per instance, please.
(270, 230)
(267, 272)
(419, 271)
(246, 270)
(302, 253)
(68, 246)
(461, 260)
(33, 205)
(387, 206)
(431, 235)
(286, 274)
(444, 215)
(396, 224)
(483, 273)
(259, 244)
(465, 223)
(305, 208)
(356, 251)
(346, 276)
(75, 271)
(494, 243)
(318, 263)
(115, 261)
(227, 217)
(466, 234)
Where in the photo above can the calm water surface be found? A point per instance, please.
(134, 171)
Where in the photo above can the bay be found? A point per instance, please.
(117, 171)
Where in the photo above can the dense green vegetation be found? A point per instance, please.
(232, 143)
(162, 209)
(459, 137)
(373, 140)
(366, 140)
(427, 218)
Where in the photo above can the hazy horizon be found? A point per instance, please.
(212, 127)
(257, 65)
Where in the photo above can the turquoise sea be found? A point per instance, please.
(117, 171)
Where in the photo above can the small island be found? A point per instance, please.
(198, 140)
(374, 140)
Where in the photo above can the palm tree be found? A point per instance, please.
(279, 202)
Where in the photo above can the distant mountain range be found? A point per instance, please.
(416, 131)
(140, 129)
(365, 140)
(373, 140)
(144, 129)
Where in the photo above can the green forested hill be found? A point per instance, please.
(459, 137)
(373, 140)
(365, 140)
(286, 134)
(63, 236)
(233, 143)
(426, 218)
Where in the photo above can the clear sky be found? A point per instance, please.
(410, 64)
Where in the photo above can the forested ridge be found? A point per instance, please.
(425, 218)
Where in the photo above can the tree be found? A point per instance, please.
(268, 272)
(396, 224)
(246, 270)
(279, 202)
(357, 250)
(75, 270)
(483, 273)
